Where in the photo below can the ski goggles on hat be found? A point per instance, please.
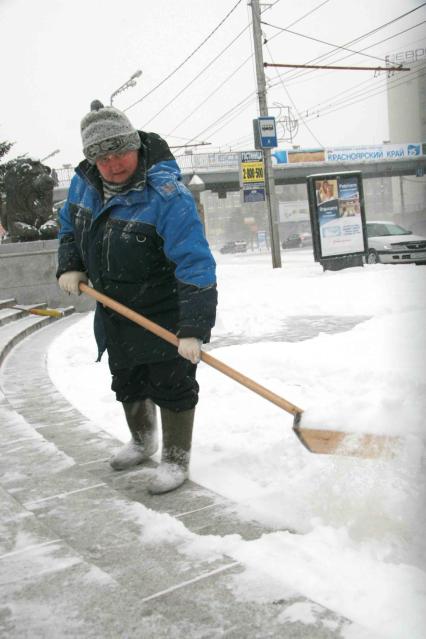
(117, 144)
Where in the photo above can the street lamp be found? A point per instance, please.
(129, 83)
(50, 155)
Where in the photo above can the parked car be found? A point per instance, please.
(237, 246)
(297, 240)
(390, 243)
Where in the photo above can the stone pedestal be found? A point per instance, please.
(27, 273)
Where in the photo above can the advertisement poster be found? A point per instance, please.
(339, 216)
(368, 153)
(253, 194)
(252, 177)
(304, 156)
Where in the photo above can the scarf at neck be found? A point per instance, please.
(110, 188)
(137, 181)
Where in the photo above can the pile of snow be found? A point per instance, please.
(349, 347)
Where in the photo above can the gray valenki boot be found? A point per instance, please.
(142, 422)
(177, 438)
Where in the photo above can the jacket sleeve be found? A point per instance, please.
(195, 270)
(69, 257)
(197, 311)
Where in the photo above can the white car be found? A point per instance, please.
(390, 243)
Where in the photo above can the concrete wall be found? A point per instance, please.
(27, 273)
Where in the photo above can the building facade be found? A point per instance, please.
(406, 94)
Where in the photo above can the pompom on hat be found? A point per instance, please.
(107, 130)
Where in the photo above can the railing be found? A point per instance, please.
(196, 162)
(64, 176)
(229, 160)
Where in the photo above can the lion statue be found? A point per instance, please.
(29, 211)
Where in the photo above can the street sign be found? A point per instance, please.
(266, 137)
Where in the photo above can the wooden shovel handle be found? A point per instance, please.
(205, 357)
(250, 384)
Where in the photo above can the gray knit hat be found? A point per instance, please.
(107, 130)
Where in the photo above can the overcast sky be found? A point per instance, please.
(58, 55)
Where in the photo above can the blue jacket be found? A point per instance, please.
(144, 248)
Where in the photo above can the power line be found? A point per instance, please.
(354, 102)
(175, 97)
(236, 114)
(336, 46)
(207, 98)
(358, 91)
(351, 100)
(296, 76)
(236, 106)
(304, 76)
(354, 99)
(365, 96)
(232, 113)
(314, 9)
(358, 39)
(186, 59)
(299, 75)
(225, 49)
(307, 14)
(296, 109)
(305, 120)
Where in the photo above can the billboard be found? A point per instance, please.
(293, 211)
(336, 207)
(378, 152)
(252, 176)
(350, 154)
(299, 156)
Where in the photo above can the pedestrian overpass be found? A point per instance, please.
(220, 172)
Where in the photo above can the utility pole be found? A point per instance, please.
(271, 199)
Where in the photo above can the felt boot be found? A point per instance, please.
(142, 422)
(177, 439)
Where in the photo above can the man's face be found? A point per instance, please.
(118, 168)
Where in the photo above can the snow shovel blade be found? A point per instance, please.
(327, 442)
(332, 442)
(49, 312)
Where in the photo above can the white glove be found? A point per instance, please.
(70, 280)
(190, 348)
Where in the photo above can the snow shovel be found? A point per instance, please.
(327, 442)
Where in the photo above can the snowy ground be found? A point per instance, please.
(350, 348)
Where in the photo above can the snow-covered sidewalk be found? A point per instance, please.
(359, 546)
